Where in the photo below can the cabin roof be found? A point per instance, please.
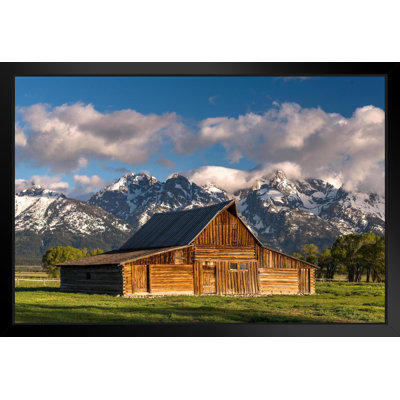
(118, 257)
(176, 228)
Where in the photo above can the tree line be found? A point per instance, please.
(353, 255)
(61, 254)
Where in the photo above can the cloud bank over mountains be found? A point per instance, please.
(232, 180)
(302, 141)
(49, 182)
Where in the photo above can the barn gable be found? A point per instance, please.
(226, 230)
(176, 228)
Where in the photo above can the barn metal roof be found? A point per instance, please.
(117, 257)
(176, 228)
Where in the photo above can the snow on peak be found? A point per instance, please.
(39, 191)
(258, 183)
(130, 178)
(278, 177)
(177, 175)
(211, 188)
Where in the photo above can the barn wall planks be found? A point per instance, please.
(226, 280)
(181, 256)
(210, 252)
(171, 278)
(272, 259)
(209, 285)
(312, 281)
(305, 286)
(279, 280)
(225, 229)
(158, 279)
(237, 281)
(135, 279)
(87, 279)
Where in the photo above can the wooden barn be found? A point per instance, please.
(207, 250)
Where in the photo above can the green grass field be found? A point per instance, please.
(333, 302)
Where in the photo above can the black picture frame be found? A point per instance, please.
(391, 72)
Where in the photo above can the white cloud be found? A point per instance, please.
(85, 180)
(20, 137)
(67, 137)
(232, 180)
(48, 182)
(348, 151)
(86, 184)
(325, 145)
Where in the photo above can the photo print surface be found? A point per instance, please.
(199, 199)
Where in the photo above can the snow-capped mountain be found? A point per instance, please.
(288, 214)
(44, 219)
(284, 214)
(136, 197)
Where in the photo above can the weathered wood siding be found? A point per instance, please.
(227, 281)
(167, 279)
(181, 256)
(312, 278)
(272, 259)
(158, 279)
(209, 273)
(210, 252)
(92, 279)
(225, 229)
(279, 280)
(304, 280)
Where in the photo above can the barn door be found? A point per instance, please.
(304, 281)
(209, 281)
(140, 278)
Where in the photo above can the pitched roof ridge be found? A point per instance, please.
(175, 228)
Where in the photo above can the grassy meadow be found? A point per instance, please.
(340, 302)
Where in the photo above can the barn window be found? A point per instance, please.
(88, 275)
(243, 266)
(234, 266)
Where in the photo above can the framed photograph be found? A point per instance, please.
(201, 199)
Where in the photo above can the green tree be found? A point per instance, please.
(310, 252)
(372, 257)
(327, 263)
(95, 252)
(345, 251)
(298, 255)
(61, 254)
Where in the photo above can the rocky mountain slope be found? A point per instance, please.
(288, 214)
(284, 214)
(136, 197)
(44, 219)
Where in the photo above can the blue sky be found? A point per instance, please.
(159, 107)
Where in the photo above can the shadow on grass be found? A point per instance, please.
(38, 289)
(95, 314)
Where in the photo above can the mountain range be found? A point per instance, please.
(44, 219)
(284, 214)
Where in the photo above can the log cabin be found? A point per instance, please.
(203, 251)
